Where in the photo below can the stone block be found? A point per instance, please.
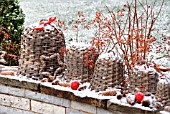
(20, 83)
(45, 108)
(10, 110)
(73, 111)
(16, 91)
(31, 85)
(55, 100)
(61, 102)
(121, 109)
(83, 107)
(32, 95)
(103, 111)
(16, 102)
(59, 110)
(3, 80)
(3, 89)
(11, 90)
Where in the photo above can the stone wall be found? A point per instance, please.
(23, 101)
(26, 97)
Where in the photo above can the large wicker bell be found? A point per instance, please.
(40, 43)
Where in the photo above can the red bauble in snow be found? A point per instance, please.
(139, 97)
(75, 85)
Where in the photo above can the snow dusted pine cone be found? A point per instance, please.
(109, 93)
(163, 91)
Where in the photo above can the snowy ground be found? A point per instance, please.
(66, 10)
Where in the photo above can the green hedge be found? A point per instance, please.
(11, 27)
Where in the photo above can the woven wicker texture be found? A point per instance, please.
(143, 81)
(37, 43)
(163, 91)
(108, 73)
(76, 70)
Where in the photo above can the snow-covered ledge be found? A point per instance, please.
(23, 96)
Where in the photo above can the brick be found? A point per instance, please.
(83, 107)
(45, 108)
(10, 110)
(73, 111)
(102, 111)
(16, 102)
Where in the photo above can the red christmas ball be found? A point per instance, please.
(139, 97)
(75, 85)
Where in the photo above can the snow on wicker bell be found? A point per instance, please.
(144, 79)
(75, 59)
(108, 72)
(40, 45)
(163, 91)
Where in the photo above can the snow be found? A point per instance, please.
(89, 93)
(136, 105)
(164, 112)
(7, 68)
(108, 56)
(145, 68)
(80, 45)
(164, 81)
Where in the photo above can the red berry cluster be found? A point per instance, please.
(90, 56)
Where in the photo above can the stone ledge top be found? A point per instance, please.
(74, 95)
(20, 82)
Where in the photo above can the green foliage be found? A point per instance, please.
(11, 27)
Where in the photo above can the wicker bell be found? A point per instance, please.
(76, 69)
(108, 73)
(144, 80)
(39, 43)
(163, 91)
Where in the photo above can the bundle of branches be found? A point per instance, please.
(127, 32)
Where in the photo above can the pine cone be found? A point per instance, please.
(109, 93)
(64, 84)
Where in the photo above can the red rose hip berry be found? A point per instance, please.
(75, 85)
(139, 97)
